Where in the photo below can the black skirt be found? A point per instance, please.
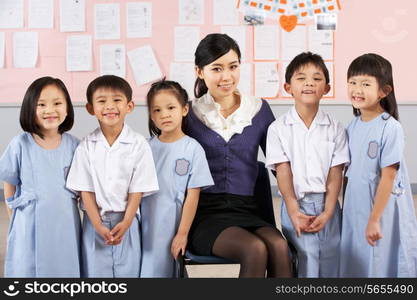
(216, 212)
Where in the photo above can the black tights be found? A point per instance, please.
(257, 252)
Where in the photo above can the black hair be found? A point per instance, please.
(209, 49)
(165, 86)
(375, 65)
(111, 82)
(30, 102)
(304, 59)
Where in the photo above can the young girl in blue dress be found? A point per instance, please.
(182, 170)
(44, 231)
(379, 230)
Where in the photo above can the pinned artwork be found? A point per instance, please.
(288, 23)
(291, 12)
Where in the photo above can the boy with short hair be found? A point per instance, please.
(308, 149)
(112, 168)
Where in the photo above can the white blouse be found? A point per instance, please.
(208, 111)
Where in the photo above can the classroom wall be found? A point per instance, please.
(383, 26)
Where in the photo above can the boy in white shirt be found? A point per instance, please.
(112, 168)
(308, 149)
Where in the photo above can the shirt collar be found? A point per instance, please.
(125, 136)
(321, 117)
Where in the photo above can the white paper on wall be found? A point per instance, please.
(225, 13)
(139, 19)
(113, 60)
(144, 65)
(266, 40)
(11, 14)
(245, 82)
(72, 15)
(266, 79)
(321, 42)
(79, 53)
(191, 12)
(293, 43)
(41, 14)
(25, 49)
(186, 41)
(107, 21)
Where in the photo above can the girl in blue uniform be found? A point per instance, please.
(182, 170)
(379, 230)
(44, 231)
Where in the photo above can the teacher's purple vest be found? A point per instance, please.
(233, 164)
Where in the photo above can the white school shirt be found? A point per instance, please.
(113, 172)
(311, 151)
(208, 111)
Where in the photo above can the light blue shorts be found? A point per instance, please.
(317, 253)
(101, 260)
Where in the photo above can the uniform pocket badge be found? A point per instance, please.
(181, 166)
(372, 149)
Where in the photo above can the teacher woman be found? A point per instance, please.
(231, 126)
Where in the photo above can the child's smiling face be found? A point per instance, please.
(364, 92)
(307, 84)
(222, 75)
(110, 107)
(51, 108)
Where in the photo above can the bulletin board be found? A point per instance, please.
(178, 18)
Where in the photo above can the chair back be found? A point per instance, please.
(263, 195)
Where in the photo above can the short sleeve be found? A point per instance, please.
(274, 151)
(392, 146)
(200, 176)
(79, 177)
(144, 178)
(341, 148)
(10, 163)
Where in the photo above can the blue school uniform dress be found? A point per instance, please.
(180, 165)
(374, 145)
(111, 173)
(44, 231)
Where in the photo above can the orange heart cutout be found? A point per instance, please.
(288, 23)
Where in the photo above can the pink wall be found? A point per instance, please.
(386, 27)
(382, 26)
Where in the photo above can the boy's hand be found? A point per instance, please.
(319, 222)
(373, 232)
(301, 221)
(104, 232)
(178, 245)
(119, 230)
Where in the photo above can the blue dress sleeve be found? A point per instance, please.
(10, 162)
(200, 176)
(392, 145)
